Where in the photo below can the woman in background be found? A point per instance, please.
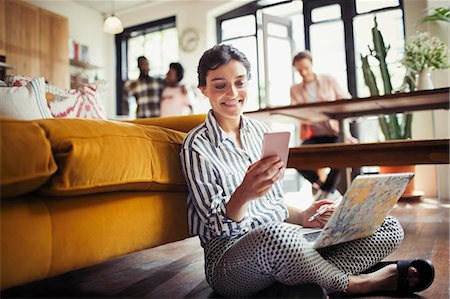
(175, 98)
(236, 206)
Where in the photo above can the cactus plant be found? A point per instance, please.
(393, 126)
(380, 51)
(369, 77)
(396, 126)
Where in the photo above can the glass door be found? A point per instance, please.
(278, 53)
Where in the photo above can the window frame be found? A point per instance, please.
(348, 10)
(121, 40)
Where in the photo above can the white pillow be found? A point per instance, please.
(26, 102)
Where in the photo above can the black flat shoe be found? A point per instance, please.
(424, 267)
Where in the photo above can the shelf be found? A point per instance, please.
(83, 65)
(4, 65)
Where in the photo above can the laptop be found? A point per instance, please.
(362, 209)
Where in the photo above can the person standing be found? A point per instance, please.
(175, 98)
(146, 89)
(318, 88)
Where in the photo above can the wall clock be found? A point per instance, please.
(189, 40)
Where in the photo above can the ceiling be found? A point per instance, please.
(108, 6)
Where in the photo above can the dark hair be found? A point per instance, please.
(141, 58)
(217, 56)
(302, 55)
(179, 69)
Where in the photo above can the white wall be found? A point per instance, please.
(85, 27)
(430, 124)
(441, 78)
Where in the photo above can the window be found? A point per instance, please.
(158, 41)
(336, 32)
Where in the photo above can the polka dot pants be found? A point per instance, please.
(278, 252)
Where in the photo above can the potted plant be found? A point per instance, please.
(424, 53)
(393, 126)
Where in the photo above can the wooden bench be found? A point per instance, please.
(389, 153)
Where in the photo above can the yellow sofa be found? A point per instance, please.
(76, 192)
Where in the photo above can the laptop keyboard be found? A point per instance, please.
(312, 236)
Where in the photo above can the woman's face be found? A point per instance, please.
(304, 68)
(171, 77)
(226, 89)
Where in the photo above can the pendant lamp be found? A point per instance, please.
(112, 24)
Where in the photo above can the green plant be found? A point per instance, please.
(424, 51)
(379, 51)
(394, 126)
(438, 14)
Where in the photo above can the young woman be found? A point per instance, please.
(175, 98)
(236, 207)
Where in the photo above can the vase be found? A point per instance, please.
(424, 80)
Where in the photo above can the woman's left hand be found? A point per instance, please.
(325, 206)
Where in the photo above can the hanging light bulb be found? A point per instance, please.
(112, 24)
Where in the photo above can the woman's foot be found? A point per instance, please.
(384, 279)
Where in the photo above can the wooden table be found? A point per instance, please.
(401, 152)
(340, 110)
(389, 153)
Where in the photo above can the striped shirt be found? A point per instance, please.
(214, 166)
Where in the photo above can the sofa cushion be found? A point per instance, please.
(25, 102)
(101, 156)
(84, 102)
(26, 157)
(183, 123)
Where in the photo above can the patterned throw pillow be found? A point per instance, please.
(25, 102)
(51, 91)
(86, 102)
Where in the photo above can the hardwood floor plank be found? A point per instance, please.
(176, 270)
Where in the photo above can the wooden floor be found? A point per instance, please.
(176, 270)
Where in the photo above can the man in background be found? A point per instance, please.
(316, 88)
(147, 91)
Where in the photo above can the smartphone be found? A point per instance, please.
(276, 144)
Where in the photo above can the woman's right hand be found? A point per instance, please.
(261, 176)
(257, 182)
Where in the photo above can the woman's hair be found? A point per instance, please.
(217, 56)
(178, 69)
(302, 55)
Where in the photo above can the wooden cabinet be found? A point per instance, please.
(36, 42)
(54, 54)
(22, 37)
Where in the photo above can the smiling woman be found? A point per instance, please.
(251, 238)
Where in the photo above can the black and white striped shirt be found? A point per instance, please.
(214, 166)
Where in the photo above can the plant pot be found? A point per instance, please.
(409, 193)
(424, 80)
